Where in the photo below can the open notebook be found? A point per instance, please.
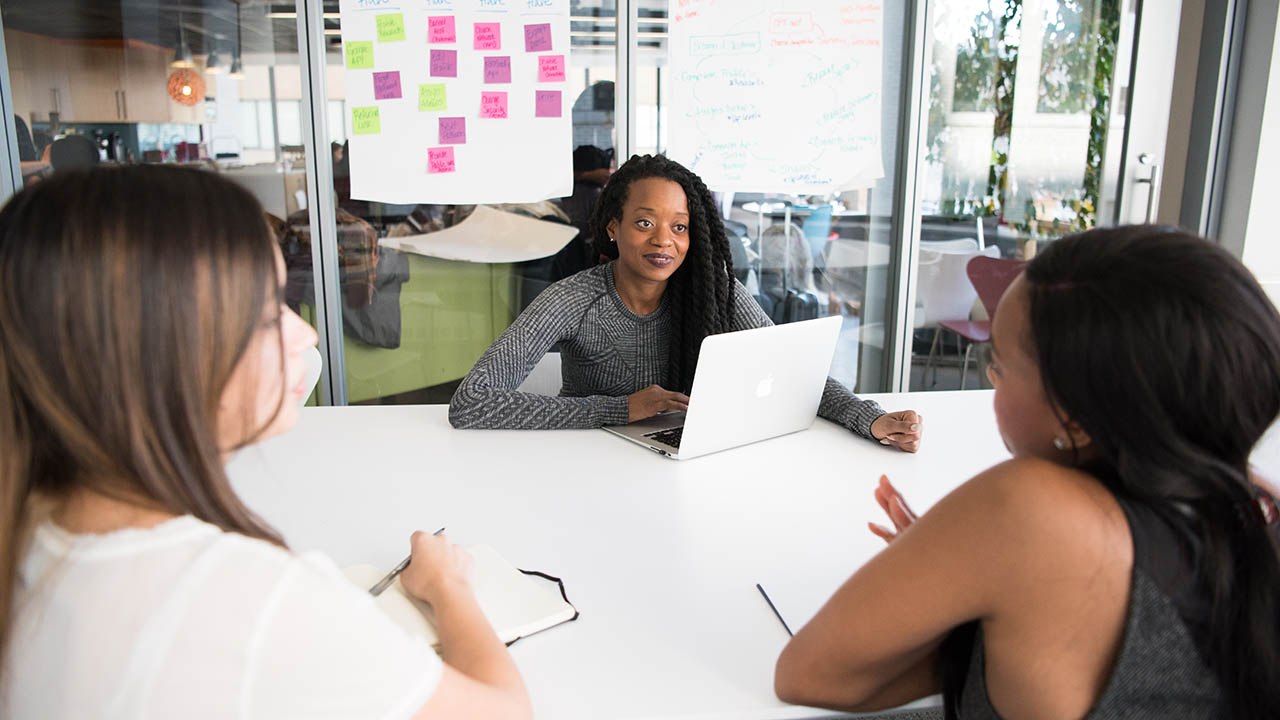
(517, 604)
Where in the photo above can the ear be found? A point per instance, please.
(612, 228)
(1079, 438)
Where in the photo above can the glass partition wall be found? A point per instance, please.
(1025, 109)
(1001, 126)
(213, 85)
(412, 324)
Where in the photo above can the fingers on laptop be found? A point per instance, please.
(653, 400)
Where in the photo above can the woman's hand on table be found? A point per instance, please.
(895, 506)
(437, 567)
(653, 400)
(902, 429)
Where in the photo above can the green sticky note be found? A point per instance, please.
(359, 55)
(365, 121)
(431, 97)
(390, 27)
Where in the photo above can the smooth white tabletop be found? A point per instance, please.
(661, 557)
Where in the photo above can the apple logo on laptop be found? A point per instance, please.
(765, 388)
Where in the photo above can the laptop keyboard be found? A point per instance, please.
(670, 437)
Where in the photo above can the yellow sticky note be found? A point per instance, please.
(365, 121)
(359, 55)
(432, 98)
(390, 27)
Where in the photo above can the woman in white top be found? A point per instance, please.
(143, 338)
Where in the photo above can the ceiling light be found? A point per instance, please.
(182, 54)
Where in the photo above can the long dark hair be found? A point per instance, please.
(127, 297)
(699, 295)
(1165, 350)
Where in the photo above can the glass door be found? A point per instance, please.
(1044, 118)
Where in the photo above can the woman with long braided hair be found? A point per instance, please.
(630, 330)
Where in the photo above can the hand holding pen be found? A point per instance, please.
(391, 577)
(436, 567)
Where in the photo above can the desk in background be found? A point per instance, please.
(660, 556)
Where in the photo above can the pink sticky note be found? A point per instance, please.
(386, 85)
(550, 68)
(440, 160)
(488, 36)
(444, 63)
(497, 69)
(547, 103)
(537, 38)
(493, 104)
(440, 29)
(453, 130)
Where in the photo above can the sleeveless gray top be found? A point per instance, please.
(1159, 671)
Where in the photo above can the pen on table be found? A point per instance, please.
(774, 609)
(385, 582)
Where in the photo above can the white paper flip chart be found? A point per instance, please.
(773, 96)
(458, 101)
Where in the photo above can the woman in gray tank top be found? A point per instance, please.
(1125, 563)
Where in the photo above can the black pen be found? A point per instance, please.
(385, 582)
(774, 609)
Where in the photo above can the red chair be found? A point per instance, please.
(990, 277)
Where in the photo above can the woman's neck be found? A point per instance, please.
(641, 296)
(86, 511)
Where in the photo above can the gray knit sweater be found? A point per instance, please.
(607, 352)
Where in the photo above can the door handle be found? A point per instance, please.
(124, 104)
(118, 115)
(1153, 185)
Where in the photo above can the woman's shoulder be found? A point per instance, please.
(579, 289)
(1039, 514)
(1036, 493)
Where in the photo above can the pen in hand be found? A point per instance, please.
(385, 582)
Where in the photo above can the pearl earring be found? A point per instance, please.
(1060, 443)
(611, 239)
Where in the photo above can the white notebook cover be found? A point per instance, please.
(517, 605)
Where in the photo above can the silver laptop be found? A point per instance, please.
(750, 385)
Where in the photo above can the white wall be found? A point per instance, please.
(1262, 233)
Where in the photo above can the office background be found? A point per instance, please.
(1005, 124)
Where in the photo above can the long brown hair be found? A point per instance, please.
(127, 297)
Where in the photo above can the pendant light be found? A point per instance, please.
(237, 67)
(213, 64)
(182, 55)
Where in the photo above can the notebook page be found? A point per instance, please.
(514, 603)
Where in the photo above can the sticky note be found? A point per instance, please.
(537, 38)
(444, 63)
(390, 27)
(440, 29)
(365, 121)
(453, 131)
(497, 69)
(432, 98)
(359, 55)
(440, 160)
(493, 105)
(386, 85)
(546, 103)
(550, 68)
(488, 36)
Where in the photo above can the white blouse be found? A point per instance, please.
(185, 620)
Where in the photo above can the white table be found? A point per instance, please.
(661, 557)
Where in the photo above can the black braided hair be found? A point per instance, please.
(699, 294)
